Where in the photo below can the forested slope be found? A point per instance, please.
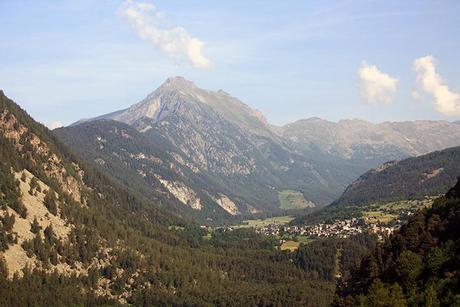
(417, 266)
(413, 178)
(132, 160)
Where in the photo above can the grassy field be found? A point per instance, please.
(278, 220)
(290, 245)
(387, 212)
(373, 217)
(290, 199)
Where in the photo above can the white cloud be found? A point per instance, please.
(446, 101)
(55, 125)
(146, 21)
(376, 86)
(416, 95)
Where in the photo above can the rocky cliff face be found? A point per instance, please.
(204, 137)
(170, 96)
(25, 140)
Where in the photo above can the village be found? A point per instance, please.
(381, 219)
(339, 229)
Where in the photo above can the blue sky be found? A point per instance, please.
(66, 60)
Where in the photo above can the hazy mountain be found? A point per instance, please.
(215, 146)
(428, 175)
(366, 143)
(225, 151)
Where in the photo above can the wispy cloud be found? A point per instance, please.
(54, 125)
(146, 21)
(446, 101)
(376, 86)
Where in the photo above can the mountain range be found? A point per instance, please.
(217, 158)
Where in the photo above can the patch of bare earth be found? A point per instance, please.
(433, 173)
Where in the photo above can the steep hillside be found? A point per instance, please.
(77, 238)
(413, 178)
(154, 172)
(417, 266)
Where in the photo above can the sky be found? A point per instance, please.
(373, 60)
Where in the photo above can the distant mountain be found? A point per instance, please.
(169, 98)
(417, 266)
(368, 144)
(72, 236)
(413, 178)
(226, 152)
(215, 146)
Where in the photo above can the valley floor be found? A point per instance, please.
(381, 219)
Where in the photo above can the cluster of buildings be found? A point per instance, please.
(394, 216)
(339, 229)
(347, 228)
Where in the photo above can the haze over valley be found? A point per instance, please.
(203, 153)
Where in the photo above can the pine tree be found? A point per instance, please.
(50, 202)
(35, 227)
(3, 268)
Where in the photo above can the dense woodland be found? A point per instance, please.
(418, 266)
(334, 258)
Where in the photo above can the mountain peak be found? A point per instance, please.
(178, 82)
(177, 91)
